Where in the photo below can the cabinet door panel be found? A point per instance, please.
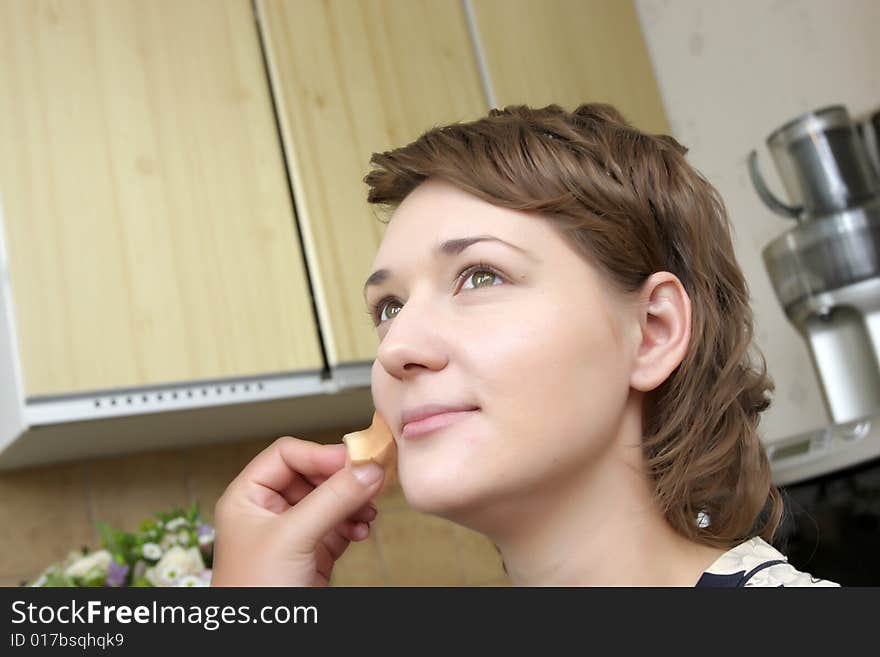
(570, 52)
(147, 212)
(352, 78)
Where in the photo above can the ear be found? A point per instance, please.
(664, 316)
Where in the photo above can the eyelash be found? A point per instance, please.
(375, 308)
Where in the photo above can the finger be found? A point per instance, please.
(329, 549)
(300, 488)
(315, 480)
(283, 466)
(279, 502)
(336, 543)
(354, 530)
(366, 513)
(334, 501)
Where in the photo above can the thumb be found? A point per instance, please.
(332, 501)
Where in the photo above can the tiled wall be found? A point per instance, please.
(46, 512)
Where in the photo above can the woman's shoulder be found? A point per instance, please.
(756, 563)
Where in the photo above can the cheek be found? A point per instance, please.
(381, 392)
(559, 378)
(551, 392)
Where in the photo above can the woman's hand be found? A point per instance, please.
(290, 514)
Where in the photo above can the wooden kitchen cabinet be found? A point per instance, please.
(352, 78)
(569, 52)
(148, 218)
(171, 223)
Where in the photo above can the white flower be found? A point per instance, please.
(170, 573)
(174, 565)
(169, 540)
(151, 551)
(206, 539)
(174, 524)
(192, 580)
(100, 559)
(183, 537)
(72, 557)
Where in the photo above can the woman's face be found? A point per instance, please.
(527, 333)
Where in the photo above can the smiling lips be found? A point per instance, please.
(431, 417)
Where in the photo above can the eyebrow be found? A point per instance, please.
(448, 248)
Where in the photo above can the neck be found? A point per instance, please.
(601, 526)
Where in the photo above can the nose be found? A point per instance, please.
(414, 340)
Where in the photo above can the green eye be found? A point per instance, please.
(487, 275)
(469, 273)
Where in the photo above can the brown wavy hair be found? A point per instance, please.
(632, 205)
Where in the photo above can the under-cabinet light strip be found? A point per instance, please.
(189, 395)
(116, 402)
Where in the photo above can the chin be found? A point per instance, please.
(439, 494)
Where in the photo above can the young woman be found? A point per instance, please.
(564, 364)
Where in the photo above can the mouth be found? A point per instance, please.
(425, 420)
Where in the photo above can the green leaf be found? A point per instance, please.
(126, 548)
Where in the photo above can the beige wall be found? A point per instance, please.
(48, 511)
(732, 72)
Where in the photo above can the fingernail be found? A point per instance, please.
(368, 473)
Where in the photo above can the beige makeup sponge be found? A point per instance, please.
(375, 443)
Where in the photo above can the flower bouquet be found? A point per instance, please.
(176, 548)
